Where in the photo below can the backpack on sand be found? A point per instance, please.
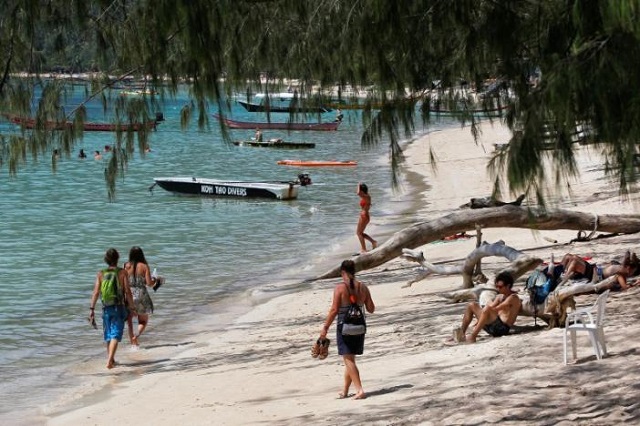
(111, 291)
(354, 323)
(539, 285)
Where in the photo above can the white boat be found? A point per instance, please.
(280, 190)
(281, 102)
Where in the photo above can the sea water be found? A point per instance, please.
(56, 227)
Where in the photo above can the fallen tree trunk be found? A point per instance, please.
(508, 216)
(520, 262)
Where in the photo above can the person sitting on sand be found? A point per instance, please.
(497, 317)
(576, 268)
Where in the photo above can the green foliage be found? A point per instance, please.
(586, 52)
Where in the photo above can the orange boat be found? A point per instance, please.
(312, 163)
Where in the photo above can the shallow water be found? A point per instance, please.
(57, 226)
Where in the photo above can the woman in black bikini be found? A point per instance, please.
(576, 268)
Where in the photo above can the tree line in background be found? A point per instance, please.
(562, 64)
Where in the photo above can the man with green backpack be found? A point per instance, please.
(112, 285)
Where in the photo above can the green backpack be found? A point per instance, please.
(111, 290)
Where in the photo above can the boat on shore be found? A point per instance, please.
(30, 123)
(234, 124)
(141, 92)
(278, 190)
(494, 112)
(281, 102)
(315, 163)
(276, 143)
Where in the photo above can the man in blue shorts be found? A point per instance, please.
(496, 318)
(115, 299)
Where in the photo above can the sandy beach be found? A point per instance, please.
(259, 369)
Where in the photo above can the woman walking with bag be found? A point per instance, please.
(349, 291)
(139, 278)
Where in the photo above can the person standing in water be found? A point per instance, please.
(364, 219)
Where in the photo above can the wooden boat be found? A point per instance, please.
(312, 163)
(236, 189)
(276, 143)
(30, 123)
(233, 124)
(137, 92)
(353, 105)
(491, 112)
(280, 102)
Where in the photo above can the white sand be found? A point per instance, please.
(260, 370)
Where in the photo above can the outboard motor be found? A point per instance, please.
(304, 179)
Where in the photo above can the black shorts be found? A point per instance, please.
(497, 328)
(588, 272)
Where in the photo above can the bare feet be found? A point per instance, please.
(360, 395)
(374, 243)
(134, 341)
(471, 339)
(343, 395)
(111, 364)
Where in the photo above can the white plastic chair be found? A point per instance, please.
(589, 320)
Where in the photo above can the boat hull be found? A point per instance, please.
(234, 124)
(30, 123)
(228, 189)
(252, 107)
(311, 163)
(276, 144)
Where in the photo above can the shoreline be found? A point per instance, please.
(260, 365)
(222, 314)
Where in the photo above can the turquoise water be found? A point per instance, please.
(57, 226)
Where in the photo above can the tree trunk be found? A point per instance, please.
(520, 262)
(497, 217)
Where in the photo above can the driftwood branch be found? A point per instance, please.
(507, 216)
(520, 262)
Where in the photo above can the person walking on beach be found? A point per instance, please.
(139, 278)
(112, 286)
(364, 219)
(496, 318)
(348, 291)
